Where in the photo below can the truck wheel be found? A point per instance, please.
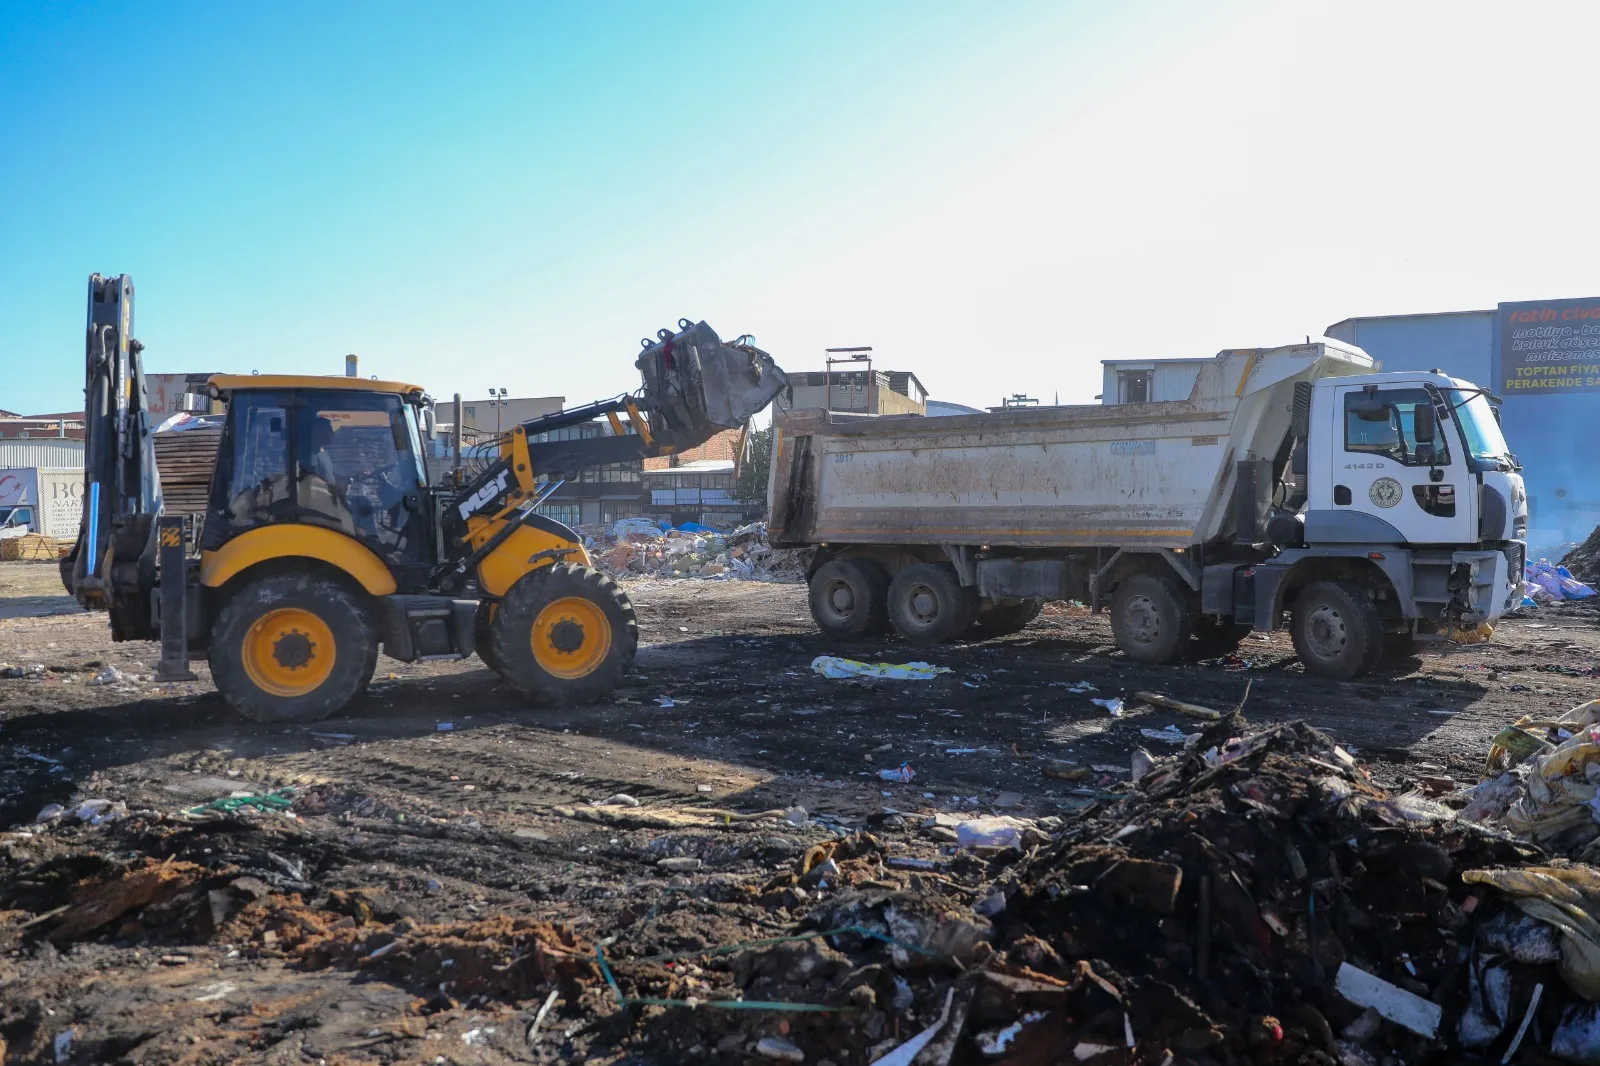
(999, 615)
(292, 648)
(564, 634)
(929, 605)
(483, 636)
(1337, 632)
(1150, 619)
(1219, 637)
(850, 598)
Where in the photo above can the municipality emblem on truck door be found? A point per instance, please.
(1385, 492)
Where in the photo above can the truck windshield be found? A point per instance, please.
(1485, 442)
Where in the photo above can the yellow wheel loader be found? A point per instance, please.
(324, 539)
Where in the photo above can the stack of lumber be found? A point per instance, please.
(185, 460)
(34, 547)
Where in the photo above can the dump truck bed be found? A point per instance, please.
(1154, 474)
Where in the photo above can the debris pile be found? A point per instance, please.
(1553, 584)
(1255, 898)
(1583, 561)
(635, 548)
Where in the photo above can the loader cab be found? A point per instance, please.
(343, 454)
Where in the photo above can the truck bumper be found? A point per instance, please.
(1496, 582)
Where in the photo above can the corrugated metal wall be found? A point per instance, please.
(1461, 343)
(42, 453)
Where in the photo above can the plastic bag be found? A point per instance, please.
(1566, 897)
(837, 668)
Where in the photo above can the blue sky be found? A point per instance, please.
(995, 196)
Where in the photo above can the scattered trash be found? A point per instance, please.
(678, 864)
(834, 667)
(108, 675)
(665, 702)
(1000, 831)
(1114, 705)
(49, 813)
(902, 775)
(779, 1050)
(621, 799)
(1556, 582)
(444, 727)
(1363, 989)
(1170, 735)
(1168, 703)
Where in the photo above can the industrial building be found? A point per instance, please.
(1540, 359)
(44, 476)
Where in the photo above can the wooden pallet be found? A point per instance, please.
(33, 547)
(185, 461)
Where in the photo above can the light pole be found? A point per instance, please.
(498, 399)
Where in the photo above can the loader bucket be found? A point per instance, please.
(695, 385)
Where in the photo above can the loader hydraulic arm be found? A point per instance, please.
(694, 387)
(113, 565)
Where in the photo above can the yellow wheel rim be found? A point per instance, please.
(289, 652)
(571, 638)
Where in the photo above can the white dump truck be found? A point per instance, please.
(1371, 508)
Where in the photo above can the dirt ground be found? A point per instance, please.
(441, 815)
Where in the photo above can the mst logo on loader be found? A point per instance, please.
(490, 490)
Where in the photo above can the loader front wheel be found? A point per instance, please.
(292, 648)
(564, 634)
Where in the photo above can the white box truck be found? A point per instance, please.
(1294, 481)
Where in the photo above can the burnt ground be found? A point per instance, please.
(445, 815)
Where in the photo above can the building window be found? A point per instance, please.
(1133, 386)
(565, 513)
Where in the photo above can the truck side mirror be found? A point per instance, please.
(1424, 426)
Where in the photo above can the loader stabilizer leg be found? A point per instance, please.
(174, 664)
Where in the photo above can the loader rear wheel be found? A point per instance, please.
(998, 616)
(564, 634)
(1150, 619)
(929, 605)
(850, 598)
(292, 648)
(1337, 631)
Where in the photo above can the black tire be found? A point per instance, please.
(1218, 637)
(850, 598)
(998, 616)
(1337, 631)
(483, 636)
(1150, 619)
(929, 605)
(576, 668)
(257, 641)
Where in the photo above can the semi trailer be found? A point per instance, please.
(1295, 484)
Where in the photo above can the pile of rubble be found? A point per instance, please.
(1255, 899)
(635, 548)
(1584, 560)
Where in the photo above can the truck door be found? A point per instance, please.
(1381, 469)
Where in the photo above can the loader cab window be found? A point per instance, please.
(1383, 423)
(252, 478)
(358, 470)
